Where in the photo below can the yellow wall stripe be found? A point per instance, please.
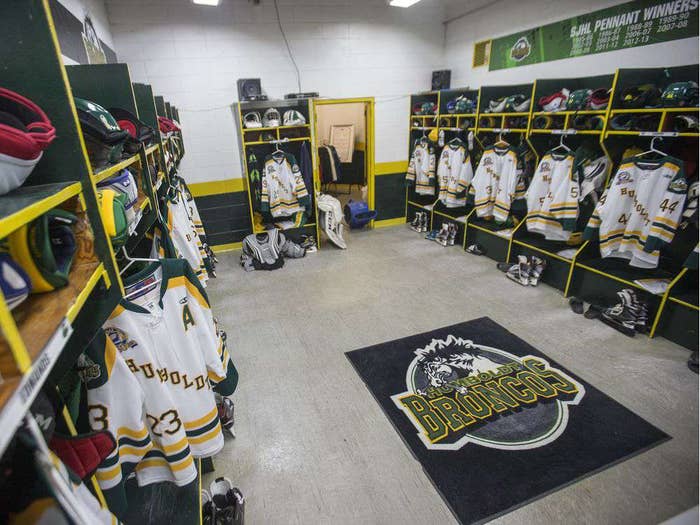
(387, 168)
(217, 187)
(390, 222)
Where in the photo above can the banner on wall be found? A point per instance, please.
(633, 24)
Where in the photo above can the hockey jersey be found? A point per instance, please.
(454, 174)
(494, 183)
(552, 198)
(139, 412)
(184, 236)
(283, 190)
(640, 210)
(421, 168)
(185, 351)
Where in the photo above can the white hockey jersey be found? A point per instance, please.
(421, 168)
(186, 353)
(495, 182)
(552, 198)
(184, 236)
(454, 174)
(640, 210)
(138, 411)
(283, 190)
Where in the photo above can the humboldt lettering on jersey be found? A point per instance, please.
(632, 24)
(460, 392)
(164, 375)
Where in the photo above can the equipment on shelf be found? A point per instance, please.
(25, 132)
(461, 105)
(293, 117)
(300, 96)
(124, 183)
(104, 138)
(331, 217)
(555, 101)
(14, 281)
(252, 120)
(139, 132)
(114, 218)
(588, 122)
(358, 215)
(517, 103)
(167, 126)
(45, 249)
(542, 122)
(599, 99)
(271, 118)
(496, 106)
(685, 123)
(680, 95)
(642, 96)
(578, 100)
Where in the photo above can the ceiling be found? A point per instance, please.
(455, 8)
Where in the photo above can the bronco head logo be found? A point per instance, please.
(445, 361)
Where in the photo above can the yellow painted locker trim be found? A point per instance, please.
(390, 168)
(659, 312)
(223, 248)
(217, 187)
(390, 222)
(82, 298)
(112, 170)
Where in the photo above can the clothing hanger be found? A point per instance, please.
(501, 142)
(652, 149)
(132, 260)
(561, 145)
(278, 150)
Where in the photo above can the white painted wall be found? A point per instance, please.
(192, 55)
(98, 14)
(504, 17)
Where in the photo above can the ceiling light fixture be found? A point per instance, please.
(403, 3)
(206, 2)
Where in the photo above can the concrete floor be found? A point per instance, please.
(314, 447)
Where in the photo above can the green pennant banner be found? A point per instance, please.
(632, 24)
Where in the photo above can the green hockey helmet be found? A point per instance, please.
(578, 99)
(643, 96)
(680, 95)
(103, 136)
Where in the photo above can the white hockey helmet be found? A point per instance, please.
(331, 216)
(252, 120)
(271, 118)
(293, 118)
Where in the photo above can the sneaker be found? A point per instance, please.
(452, 235)
(229, 502)
(444, 234)
(225, 408)
(478, 249)
(432, 235)
(520, 273)
(537, 266)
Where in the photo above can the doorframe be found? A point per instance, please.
(369, 141)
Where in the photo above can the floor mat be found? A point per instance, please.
(494, 422)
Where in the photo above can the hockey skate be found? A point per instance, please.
(416, 222)
(626, 316)
(432, 235)
(442, 237)
(537, 266)
(229, 502)
(520, 273)
(452, 234)
(477, 249)
(424, 223)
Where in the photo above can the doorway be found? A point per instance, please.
(344, 145)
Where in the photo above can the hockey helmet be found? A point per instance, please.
(358, 214)
(167, 125)
(621, 122)
(139, 132)
(112, 207)
(125, 183)
(45, 249)
(487, 122)
(643, 96)
(685, 123)
(680, 95)
(517, 103)
(252, 120)
(271, 118)
(460, 105)
(103, 136)
(497, 106)
(589, 122)
(25, 132)
(691, 206)
(417, 108)
(578, 99)
(428, 108)
(555, 101)
(331, 215)
(649, 122)
(14, 281)
(293, 118)
(599, 98)
(542, 122)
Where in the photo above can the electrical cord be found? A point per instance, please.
(289, 49)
